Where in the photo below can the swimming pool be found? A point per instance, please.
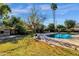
(61, 36)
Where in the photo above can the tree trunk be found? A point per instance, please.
(54, 20)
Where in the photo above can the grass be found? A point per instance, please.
(30, 47)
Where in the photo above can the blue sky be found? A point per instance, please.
(64, 11)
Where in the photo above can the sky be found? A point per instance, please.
(65, 11)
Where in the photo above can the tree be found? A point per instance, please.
(4, 10)
(54, 7)
(16, 20)
(51, 27)
(18, 24)
(34, 20)
(14, 23)
(60, 28)
(6, 21)
(40, 28)
(21, 29)
(70, 24)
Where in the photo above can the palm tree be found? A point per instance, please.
(54, 7)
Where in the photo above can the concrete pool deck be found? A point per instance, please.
(73, 42)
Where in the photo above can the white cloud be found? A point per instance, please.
(21, 10)
(62, 9)
(45, 7)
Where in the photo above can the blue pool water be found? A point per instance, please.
(62, 36)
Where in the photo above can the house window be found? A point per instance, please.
(1, 32)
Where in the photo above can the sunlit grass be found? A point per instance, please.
(27, 46)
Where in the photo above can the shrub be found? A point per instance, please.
(70, 24)
(51, 27)
(20, 29)
(61, 28)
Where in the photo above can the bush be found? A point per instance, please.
(40, 28)
(61, 28)
(70, 24)
(20, 29)
(51, 27)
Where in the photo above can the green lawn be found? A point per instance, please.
(29, 47)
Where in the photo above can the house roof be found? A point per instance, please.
(76, 29)
(5, 27)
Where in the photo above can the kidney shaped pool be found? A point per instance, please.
(61, 36)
